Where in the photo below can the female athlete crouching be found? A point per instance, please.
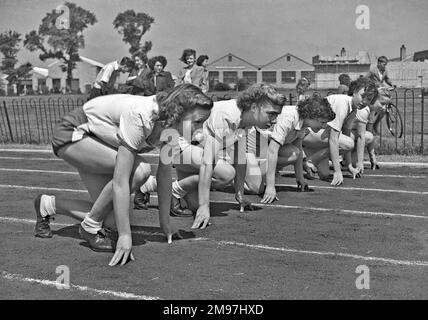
(101, 140)
(285, 146)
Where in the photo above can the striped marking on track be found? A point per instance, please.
(279, 249)
(386, 163)
(278, 185)
(73, 287)
(30, 159)
(340, 188)
(374, 175)
(281, 172)
(325, 210)
(39, 171)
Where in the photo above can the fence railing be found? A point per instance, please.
(31, 120)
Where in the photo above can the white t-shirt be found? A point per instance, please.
(342, 106)
(223, 123)
(288, 126)
(119, 117)
(362, 116)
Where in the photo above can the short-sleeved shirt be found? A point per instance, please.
(288, 126)
(223, 123)
(108, 74)
(376, 75)
(362, 115)
(121, 119)
(342, 106)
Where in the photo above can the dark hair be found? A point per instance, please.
(345, 79)
(201, 59)
(302, 85)
(161, 59)
(315, 107)
(370, 88)
(140, 55)
(260, 94)
(127, 62)
(186, 53)
(382, 59)
(174, 104)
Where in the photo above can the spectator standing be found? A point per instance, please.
(157, 79)
(106, 78)
(203, 62)
(191, 73)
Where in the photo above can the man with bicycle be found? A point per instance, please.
(380, 76)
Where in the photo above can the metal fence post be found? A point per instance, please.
(422, 119)
(8, 121)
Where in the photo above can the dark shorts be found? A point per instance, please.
(66, 131)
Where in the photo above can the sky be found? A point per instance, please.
(258, 31)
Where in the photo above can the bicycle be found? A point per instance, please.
(393, 118)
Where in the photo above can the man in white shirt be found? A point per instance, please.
(106, 78)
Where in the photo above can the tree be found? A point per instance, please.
(60, 36)
(132, 26)
(9, 47)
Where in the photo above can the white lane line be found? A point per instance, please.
(386, 163)
(38, 171)
(338, 188)
(326, 253)
(30, 159)
(281, 249)
(27, 150)
(373, 175)
(13, 186)
(329, 210)
(50, 151)
(117, 294)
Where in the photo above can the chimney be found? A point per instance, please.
(343, 52)
(402, 52)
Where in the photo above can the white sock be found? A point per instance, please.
(178, 191)
(91, 225)
(47, 205)
(151, 185)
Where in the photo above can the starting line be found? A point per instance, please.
(414, 263)
(327, 210)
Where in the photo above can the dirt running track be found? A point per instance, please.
(305, 246)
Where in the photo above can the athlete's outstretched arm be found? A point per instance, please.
(333, 142)
(121, 198)
(270, 192)
(211, 148)
(164, 180)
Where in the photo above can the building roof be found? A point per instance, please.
(41, 71)
(281, 57)
(236, 57)
(84, 59)
(420, 55)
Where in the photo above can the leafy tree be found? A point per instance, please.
(9, 47)
(132, 26)
(61, 42)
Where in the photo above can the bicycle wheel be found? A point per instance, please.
(394, 121)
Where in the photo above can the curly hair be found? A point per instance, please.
(186, 53)
(370, 88)
(174, 104)
(201, 59)
(152, 61)
(260, 94)
(315, 107)
(302, 85)
(345, 79)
